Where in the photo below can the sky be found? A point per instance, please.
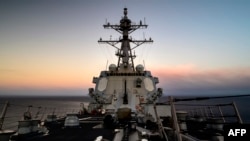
(49, 47)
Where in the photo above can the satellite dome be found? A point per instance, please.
(139, 68)
(112, 67)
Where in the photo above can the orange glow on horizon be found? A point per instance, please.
(47, 80)
(174, 76)
(181, 70)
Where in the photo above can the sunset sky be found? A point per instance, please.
(49, 47)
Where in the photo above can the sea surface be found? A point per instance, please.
(41, 106)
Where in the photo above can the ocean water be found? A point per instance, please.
(41, 106)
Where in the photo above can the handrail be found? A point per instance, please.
(189, 138)
(3, 114)
(237, 113)
(174, 116)
(214, 111)
(9, 119)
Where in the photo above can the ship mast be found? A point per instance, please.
(124, 53)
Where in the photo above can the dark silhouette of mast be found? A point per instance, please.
(124, 53)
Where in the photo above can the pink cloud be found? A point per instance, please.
(190, 80)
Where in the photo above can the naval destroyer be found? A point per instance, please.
(125, 106)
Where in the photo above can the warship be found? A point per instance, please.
(125, 106)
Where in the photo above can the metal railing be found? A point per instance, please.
(12, 113)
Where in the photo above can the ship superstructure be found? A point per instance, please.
(124, 84)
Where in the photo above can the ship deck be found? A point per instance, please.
(87, 131)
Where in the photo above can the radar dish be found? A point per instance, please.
(102, 84)
(149, 85)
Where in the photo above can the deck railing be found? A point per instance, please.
(12, 113)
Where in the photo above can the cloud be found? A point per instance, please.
(190, 80)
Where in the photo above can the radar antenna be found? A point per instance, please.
(125, 27)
